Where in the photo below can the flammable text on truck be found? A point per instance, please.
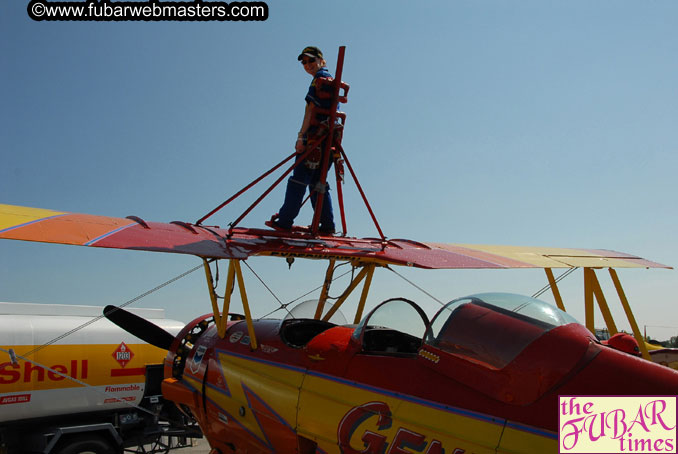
(84, 388)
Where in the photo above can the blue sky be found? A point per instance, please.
(490, 122)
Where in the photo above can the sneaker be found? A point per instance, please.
(275, 224)
(326, 230)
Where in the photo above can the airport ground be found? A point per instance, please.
(200, 446)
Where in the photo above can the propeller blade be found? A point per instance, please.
(140, 327)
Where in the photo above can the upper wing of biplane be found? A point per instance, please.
(33, 224)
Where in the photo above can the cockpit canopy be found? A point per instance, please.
(512, 348)
(488, 330)
(493, 328)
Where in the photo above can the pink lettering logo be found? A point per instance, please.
(617, 424)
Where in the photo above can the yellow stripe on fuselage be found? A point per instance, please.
(317, 406)
(277, 386)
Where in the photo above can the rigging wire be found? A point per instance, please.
(536, 295)
(352, 270)
(543, 290)
(96, 319)
(414, 285)
(284, 306)
(93, 320)
(321, 286)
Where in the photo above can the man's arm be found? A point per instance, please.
(299, 146)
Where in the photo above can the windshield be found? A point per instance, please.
(493, 328)
(395, 326)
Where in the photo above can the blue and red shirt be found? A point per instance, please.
(324, 103)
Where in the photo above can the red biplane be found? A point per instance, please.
(483, 375)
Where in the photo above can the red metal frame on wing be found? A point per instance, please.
(336, 86)
(331, 145)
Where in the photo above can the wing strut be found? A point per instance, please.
(629, 314)
(593, 291)
(554, 289)
(221, 318)
(329, 274)
(366, 288)
(366, 271)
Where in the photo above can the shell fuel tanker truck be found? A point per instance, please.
(94, 390)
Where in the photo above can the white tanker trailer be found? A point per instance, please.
(96, 390)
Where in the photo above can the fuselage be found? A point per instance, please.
(311, 386)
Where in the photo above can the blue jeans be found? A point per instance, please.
(303, 177)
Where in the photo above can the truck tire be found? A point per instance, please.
(86, 444)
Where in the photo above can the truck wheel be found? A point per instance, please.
(86, 445)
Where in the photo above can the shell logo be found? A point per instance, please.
(123, 354)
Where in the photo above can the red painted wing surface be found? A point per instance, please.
(32, 224)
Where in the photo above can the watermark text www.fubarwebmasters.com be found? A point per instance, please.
(152, 10)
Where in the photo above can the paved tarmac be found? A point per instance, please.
(200, 447)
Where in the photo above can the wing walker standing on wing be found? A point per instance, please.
(327, 136)
(314, 125)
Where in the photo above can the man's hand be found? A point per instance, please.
(299, 146)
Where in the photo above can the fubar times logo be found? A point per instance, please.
(617, 424)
